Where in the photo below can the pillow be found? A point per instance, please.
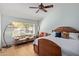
(58, 34)
(74, 36)
(42, 34)
(53, 33)
(65, 35)
(47, 34)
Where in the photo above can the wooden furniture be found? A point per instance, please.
(66, 29)
(48, 48)
(52, 48)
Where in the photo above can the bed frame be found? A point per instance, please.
(48, 48)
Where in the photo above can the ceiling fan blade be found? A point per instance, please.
(49, 6)
(41, 4)
(37, 11)
(44, 10)
(33, 7)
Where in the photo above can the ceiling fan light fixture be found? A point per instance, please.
(42, 7)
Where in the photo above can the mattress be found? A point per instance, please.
(69, 47)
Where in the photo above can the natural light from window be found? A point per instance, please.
(23, 28)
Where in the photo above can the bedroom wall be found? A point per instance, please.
(0, 31)
(61, 15)
(6, 20)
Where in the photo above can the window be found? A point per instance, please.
(22, 28)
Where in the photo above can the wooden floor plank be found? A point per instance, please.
(21, 50)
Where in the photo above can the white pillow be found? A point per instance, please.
(74, 36)
(53, 33)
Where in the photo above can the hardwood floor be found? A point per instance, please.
(21, 50)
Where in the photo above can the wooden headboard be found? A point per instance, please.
(66, 29)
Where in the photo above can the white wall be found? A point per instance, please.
(6, 20)
(0, 30)
(61, 15)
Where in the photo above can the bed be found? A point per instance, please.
(52, 46)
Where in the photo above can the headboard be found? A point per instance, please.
(66, 29)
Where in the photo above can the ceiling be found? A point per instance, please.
(22, 10)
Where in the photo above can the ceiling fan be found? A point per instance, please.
(42, 7)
